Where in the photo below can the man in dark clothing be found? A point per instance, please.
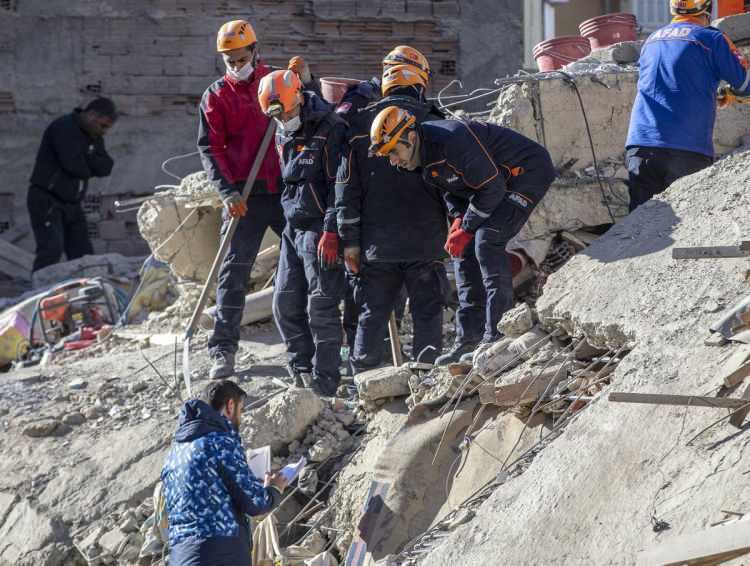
(231, 128)
(208, 486)
(355, 99)
(392, 225)
(493, 178)
(72, 151)
(672, 122)
(310, 278)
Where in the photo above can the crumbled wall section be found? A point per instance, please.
(549, 111)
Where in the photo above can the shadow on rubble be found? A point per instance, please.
(263, 370)
(645, 231)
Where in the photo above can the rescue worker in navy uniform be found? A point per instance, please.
(493, 178)
(71, 152)
(310, 278)
(672, 122)
(392, 224)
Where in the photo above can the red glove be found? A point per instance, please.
(456, 224)
(457, 242)
(328, 249)
(236, 205)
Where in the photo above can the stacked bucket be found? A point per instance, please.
(597, 32)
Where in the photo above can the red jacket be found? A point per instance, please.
(230, 131)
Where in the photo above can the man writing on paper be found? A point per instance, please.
(208, 486)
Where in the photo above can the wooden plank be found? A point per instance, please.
(15, 261)
(712, 546)
(680, 400)
(739, 417)
(743, 250)
(737, 367)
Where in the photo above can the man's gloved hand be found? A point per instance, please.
(300, 66)
(457, 242)
(351, 259)
(328, 249)
(235, 205)
(456, 224)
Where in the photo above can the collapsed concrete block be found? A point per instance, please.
(517, 321)
(382, 383)
(282, 420)
(507, 353)
(549, 112)
(737, 27)
(623, 53)
(182, 228)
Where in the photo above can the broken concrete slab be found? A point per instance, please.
(182, 229)
(382, 383)
(284, 419)
(104, 265)
(508, 353)
(517, 321)
(28, 535)
(549, 112)
(737, 27)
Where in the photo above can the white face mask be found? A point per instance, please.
(290, 126)
(243, 74)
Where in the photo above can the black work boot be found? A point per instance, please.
(458, 349)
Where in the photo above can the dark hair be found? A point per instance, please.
(103, 107)
(219, 393)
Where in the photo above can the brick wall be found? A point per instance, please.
(155, 59)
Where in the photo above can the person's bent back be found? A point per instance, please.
(208, 485)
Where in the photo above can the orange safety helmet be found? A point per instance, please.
(389, 127)
(401, 75)
(690, 7)
(405, 55)
(279, 91)
(235, 35)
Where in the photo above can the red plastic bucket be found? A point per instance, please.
(558, 52)
(610, 28)
(333, 88)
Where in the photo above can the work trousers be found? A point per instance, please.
(58, 227)
(652, 169)
(377, 289)
(263, 212)
(483, 276)
(306, 308)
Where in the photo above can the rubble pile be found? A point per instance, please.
(666, 469)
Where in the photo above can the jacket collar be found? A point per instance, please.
(697, 20)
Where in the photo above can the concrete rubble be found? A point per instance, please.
(481, 459)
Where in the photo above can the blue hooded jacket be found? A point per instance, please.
(681, 67)
(209, 489)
